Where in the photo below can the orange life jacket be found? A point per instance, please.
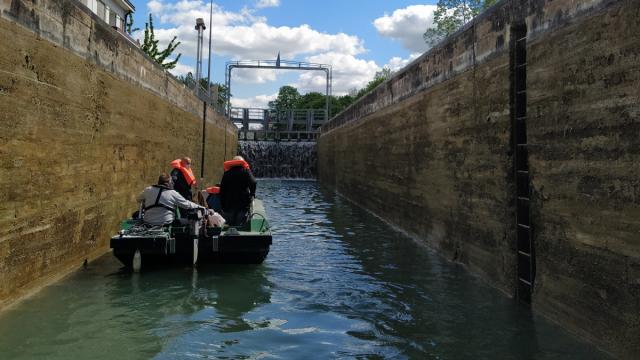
(187, 173)
(233, 163)
(213, 190)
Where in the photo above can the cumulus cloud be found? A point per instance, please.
(242, 35)
(182, 69)
(407, 26)
(396, 63)
(258, 101)
(267, 3)
(254, 76)
(349, 73)
(260, 40)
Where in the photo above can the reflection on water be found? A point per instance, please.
(338, 283)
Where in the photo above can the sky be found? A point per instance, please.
(356, 37)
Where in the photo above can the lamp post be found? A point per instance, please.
(200, 28)
(210, 97)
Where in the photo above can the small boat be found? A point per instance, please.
(139, 245)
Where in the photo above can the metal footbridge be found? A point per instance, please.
(278, 124)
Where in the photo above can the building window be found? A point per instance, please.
(112, 19)
(101, 10)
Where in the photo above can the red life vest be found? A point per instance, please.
(187, 173)
(233, 163)
(213, 190)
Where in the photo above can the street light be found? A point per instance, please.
(199, 27)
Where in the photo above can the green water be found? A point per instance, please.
(338, 283)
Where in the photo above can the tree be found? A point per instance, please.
(378, 78)
(450, 15)
(312, 100)
(340, 103)
(288, 98)
(223, 95)
(189, 81)
(129, 25)
(150, 47)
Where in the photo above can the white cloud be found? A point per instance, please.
(267, 3)
(253, 76)
(258, 101)
(396, 63)
(262, 41)
(407, 26)
(242, 35)
(349, 73)
(154, 6)
(182, 69)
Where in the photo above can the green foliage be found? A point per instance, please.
(340, 103)
(129, 25)
(450, 15)
(190, 82)
(378, 79)
(187, 80)
(288, 98)
(312, 100)
(150, 47)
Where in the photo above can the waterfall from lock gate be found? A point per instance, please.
(271, 159)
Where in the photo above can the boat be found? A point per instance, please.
(141, 246)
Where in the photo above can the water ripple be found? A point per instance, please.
(338, 283)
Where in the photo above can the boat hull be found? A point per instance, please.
(234, 249)
(191, 244)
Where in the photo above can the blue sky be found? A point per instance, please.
(356, 37)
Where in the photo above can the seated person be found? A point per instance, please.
(213, 198)
(237, 190)
(182, 177)
(160, 202)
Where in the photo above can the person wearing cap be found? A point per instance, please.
(160, 202)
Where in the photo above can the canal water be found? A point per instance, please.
(338, 283)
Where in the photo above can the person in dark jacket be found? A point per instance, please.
(182, 177)
(237, 190)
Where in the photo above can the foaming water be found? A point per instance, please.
(338, 283)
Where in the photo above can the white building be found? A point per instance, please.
(113, 12)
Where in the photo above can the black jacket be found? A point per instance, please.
(180, 184)
(237, 188)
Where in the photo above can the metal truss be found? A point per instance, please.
(279, 65)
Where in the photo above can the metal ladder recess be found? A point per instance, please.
(525, 249)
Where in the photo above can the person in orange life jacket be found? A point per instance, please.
(160, 202)
(237, 190)
(182, 177)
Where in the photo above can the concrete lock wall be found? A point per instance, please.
(86, 121)
(432, 151)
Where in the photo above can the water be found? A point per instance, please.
(284, 159)
(338, 283)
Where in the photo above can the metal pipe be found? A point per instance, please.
(327, 101)
(204, 107)
(200, 27)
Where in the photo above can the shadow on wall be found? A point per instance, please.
(270, 159)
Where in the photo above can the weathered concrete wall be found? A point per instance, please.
(86, 121)
(430, 151)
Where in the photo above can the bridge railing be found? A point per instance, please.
(216, 100)
(271, 123)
